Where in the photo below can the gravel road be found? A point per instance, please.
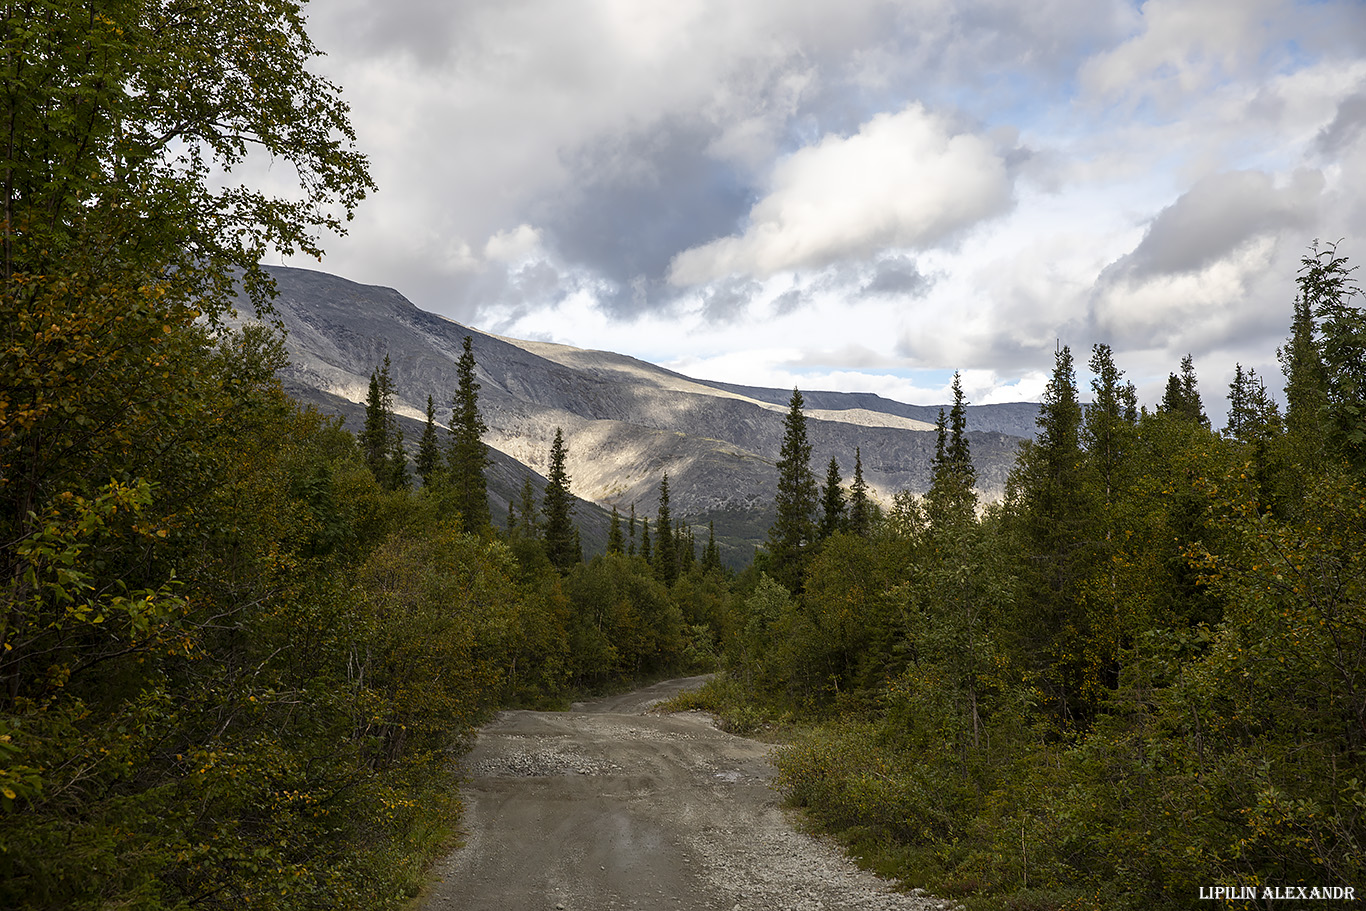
(608, 806)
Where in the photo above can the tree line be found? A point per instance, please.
(1142, 673)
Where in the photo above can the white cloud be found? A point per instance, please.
(1182, 47)
(515, 245)
(540, 163)
(1185, 309)
(903, 180)
(1219, 214)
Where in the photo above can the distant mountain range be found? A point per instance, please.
(626, 422)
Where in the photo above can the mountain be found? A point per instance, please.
(626, 422)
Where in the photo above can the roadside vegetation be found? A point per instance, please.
(240, 646)
(1141, 674)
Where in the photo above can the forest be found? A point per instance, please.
(242, 647)
(1141, 675)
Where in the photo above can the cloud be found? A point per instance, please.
(954, 183)
(903, 180)
(633, 200)
(729, 301)
(1207, 261)
(1214, 218)
(1346, 128)
(1182, 47)
(1191, 309)
(512, 246)
(897, 276)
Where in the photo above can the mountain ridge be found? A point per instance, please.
(626, 422)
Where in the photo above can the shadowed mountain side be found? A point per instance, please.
(626, 422)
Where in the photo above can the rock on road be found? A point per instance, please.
(610, 807)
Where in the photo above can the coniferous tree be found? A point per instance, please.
(428, 462)
(468, 456)
(793, 530)
(1108, 428)
(959, 455)
(646, 552)
(666, 552)
(374, 436)
(951, 497)
(527, 508)
(399, 478)
(711, 556)
(939, 497)
(686, 547)
(615, 539)
(558, 506)
(381, 438)
(1254, 420)
(1182, 396)
(1252, 413)
(631, 533)
(1306, 387)
(1326, 284)
(860, 508)
(832, 502)
(1047, 491)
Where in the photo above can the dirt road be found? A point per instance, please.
(608, 807)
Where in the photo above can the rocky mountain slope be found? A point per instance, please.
(626, 422)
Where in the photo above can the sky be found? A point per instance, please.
(859, 195)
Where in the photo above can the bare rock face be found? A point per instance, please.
(626, 422)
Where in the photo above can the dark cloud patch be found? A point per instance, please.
(897, 276)
(789, 301)
(427, 31)
(1213, 218)
(728, 301)
(537, 281)
(1346, 127)
(637, 200)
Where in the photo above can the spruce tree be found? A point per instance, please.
(1252, 414)
(793, 530)
(832, 502)
(1182, 395)
(558, 506)
(399, 478)
(711, 556)
(959, 455)
(381, 439)
(951, 497)
(374, 436)
(468, 457)
(631, 533)
(686, 547)
(527, 507)
(1108, 431)
(1306, 387)
(646, 551)
(1050, 515)
(860, 508)
(615, 539)
(1326, 284)
(429, 461)
(666, 553)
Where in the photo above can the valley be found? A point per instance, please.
(627, 423)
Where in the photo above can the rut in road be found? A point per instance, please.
(611, 807)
